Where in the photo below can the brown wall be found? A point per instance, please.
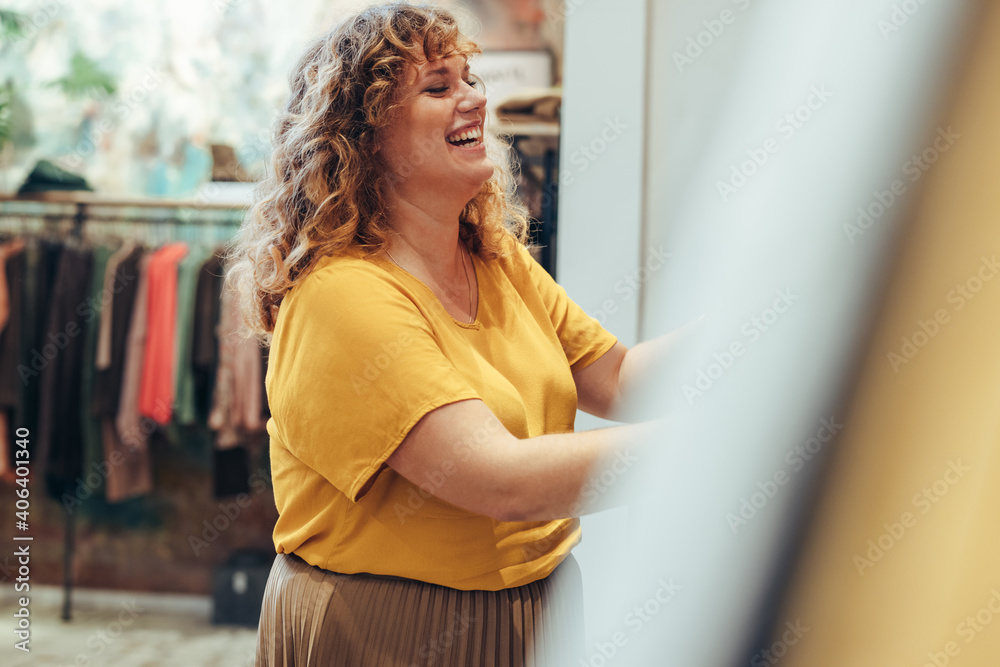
(145, 543)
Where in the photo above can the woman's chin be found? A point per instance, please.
(481, 172)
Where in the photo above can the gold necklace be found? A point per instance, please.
(468, 282)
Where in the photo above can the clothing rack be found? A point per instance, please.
(537, 145)
(79, 205)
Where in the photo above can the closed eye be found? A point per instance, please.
(473, 82)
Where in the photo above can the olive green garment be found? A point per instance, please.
(90, 311)
(187, 282)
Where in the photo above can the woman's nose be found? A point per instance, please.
(474, 99)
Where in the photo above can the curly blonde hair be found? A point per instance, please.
(326, 187)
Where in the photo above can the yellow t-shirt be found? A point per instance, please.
(361, 351)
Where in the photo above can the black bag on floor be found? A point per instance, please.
(238, 588)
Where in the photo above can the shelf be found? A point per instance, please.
(93, 199)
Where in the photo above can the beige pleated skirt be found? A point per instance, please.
(316, 618)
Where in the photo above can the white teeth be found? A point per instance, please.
(474, 133)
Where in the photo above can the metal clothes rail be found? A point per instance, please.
(82, 207)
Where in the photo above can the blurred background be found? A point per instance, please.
(819, 179)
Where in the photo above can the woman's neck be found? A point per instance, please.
(427, 236)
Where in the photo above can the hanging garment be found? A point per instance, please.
(237, 405)
(60, 432)
(156, 391)
(12, 266)
(42, 257)
(248, 379)
(205, 350)
(130, 435)
(8, 249)
(116, 315)
(92, 447)
(102, 359)
(187, 283)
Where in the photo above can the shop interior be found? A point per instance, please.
(813, 183)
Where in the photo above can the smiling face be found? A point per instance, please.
(434, 141)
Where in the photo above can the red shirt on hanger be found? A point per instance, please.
(156, 392)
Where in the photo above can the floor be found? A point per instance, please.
(122, 630)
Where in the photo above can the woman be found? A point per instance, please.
(424, 371)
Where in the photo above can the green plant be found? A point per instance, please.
(11, 26)
(6, 101)
(85, 79)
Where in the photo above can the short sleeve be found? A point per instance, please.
(355, 366)
(583, 338)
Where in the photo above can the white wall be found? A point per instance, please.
(600, 202)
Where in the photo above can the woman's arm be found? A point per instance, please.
(462, 453)
(609, 386)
